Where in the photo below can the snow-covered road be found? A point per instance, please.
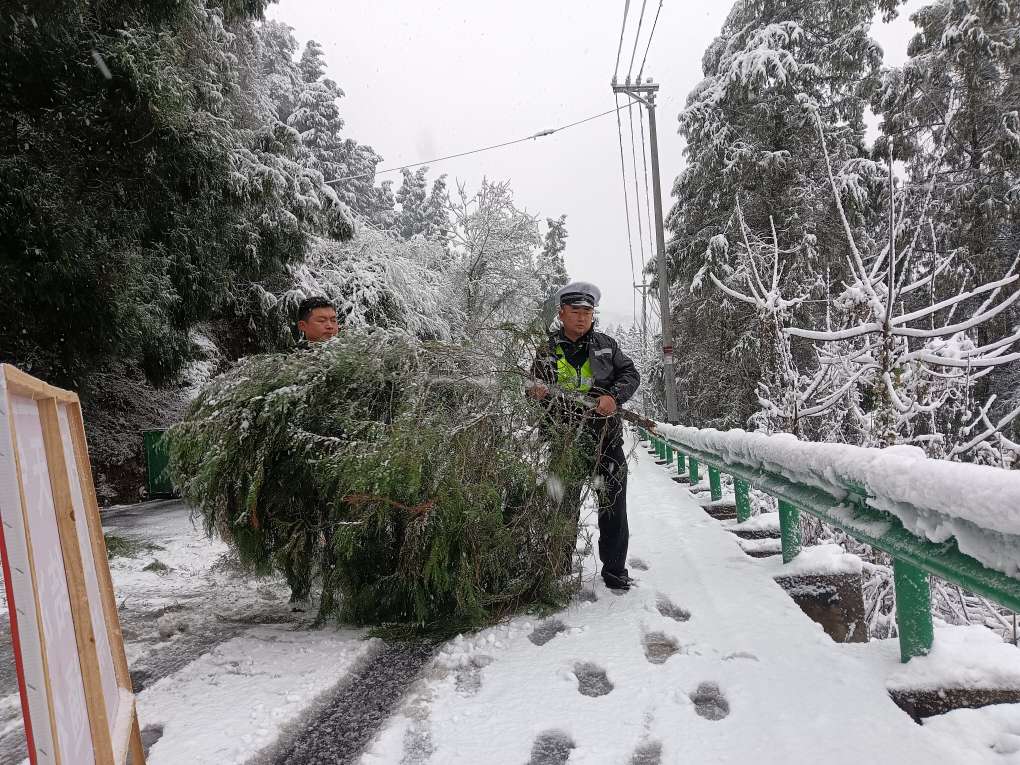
(708, 660)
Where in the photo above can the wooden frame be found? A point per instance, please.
(112, 729)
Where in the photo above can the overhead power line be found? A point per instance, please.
(637, 196)
(539, 134)
(651, 34)
(619, 49)
(626, 194)
(641, 20)
(648, 196)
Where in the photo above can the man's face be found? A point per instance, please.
(576, 319)
(321, 325)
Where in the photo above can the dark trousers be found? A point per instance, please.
(609, 464)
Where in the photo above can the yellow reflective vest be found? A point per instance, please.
(570, 377)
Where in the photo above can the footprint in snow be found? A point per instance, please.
(668, 608)
(546, 631)
(591, 679)
(637, 563)
(649, 753)
(469, 678)
(150, 735)
(551, 748)
(659, 647)
(709, 702)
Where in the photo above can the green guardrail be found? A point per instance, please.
(914, 558)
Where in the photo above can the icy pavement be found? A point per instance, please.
(707, 660)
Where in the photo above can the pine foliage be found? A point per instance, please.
(407, 481)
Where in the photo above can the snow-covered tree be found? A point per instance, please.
(913, 359)
(356, 186)
(551, 267)
(380, 280)
(313, 62)
(493, 245)
(632, 342)
(959, 90)
(316, 118)
(422, 211)
(751, 139)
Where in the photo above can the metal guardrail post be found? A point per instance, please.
(714, 483)
(681, 463)
(692, 471)
(669, 454)
(742, 492)
(913, 610)
(789, 530)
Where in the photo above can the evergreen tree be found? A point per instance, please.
(349, 167)
(317, 120)
(358, 190)
(551, 266)
(273, 78)
(421, 211)
(752, 144)
(313, 62)
(140, 189)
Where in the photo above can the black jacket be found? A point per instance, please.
(614, 372)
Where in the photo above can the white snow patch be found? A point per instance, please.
(235, 700)
(992, 729)
(817, 559)
(760, 522)
(771, 545)
(962, 657)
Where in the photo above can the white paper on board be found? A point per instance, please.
(68, 694)
(23, 606)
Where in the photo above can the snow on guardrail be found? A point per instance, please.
(977, 505)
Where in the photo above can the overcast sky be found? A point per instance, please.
(427, 78)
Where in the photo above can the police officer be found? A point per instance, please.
(580, 360)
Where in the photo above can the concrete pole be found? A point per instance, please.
(669, 379)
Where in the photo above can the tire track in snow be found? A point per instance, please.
(357, 709)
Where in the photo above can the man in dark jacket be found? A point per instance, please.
(582, 362)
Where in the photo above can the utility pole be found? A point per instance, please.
(644, 335)
(645, 95)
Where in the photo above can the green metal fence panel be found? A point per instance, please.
(714, 483)
(789, 530)
(913, 610)
(742, 493)
(914, 558)
(156, 459)
(880, 530)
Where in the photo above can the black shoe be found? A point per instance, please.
(617, 581)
